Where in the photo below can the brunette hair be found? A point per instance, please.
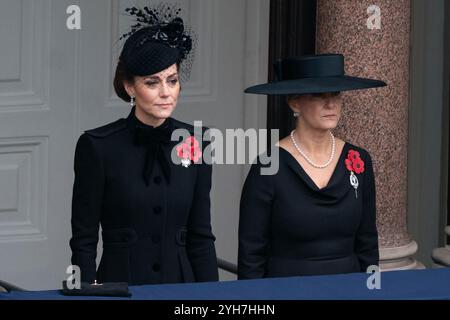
(120, 77)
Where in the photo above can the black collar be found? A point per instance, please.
(133, 122)
(153, 139)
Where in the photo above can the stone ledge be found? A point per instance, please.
(441, 256)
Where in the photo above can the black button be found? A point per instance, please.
(156, 238)
(156, 267)
(157, 180)
(157, 210)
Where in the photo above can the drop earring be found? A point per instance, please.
(132, 103)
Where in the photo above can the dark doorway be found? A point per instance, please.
(292, 32)
(448, 160)
(446, 106)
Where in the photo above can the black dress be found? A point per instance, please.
(290, 227)
(154, 214)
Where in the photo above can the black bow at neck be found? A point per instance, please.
(153, 138)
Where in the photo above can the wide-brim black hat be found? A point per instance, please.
(313, 74)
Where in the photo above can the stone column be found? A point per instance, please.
(376, 119)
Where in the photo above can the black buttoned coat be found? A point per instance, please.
(156, 233)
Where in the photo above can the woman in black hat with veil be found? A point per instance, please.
(317, 214)
(154, 213)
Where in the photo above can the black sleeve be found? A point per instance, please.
(254, 224)
(366, 242)
(200, 239)
(86, 207)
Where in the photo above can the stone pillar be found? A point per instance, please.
(376, 119)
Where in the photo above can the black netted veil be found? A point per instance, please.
(157, 40)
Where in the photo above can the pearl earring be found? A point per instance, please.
(296, 114)
(132, 104)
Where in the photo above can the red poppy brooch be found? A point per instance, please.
(188, 151)
(354, 164)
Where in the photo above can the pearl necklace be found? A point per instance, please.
(333, 149)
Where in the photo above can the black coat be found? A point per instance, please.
(160, 233)
(290, 227)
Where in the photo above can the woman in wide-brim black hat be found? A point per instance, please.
(317, 214)
(154, 213)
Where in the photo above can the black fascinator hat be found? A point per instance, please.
(158, 40)
(312, 74)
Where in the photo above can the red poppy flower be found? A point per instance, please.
(358, 166)
(192, 142)
(348, 164)
(183, 151)
(353, 155)
(196, 154)
(354, 162)
(189, 150)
